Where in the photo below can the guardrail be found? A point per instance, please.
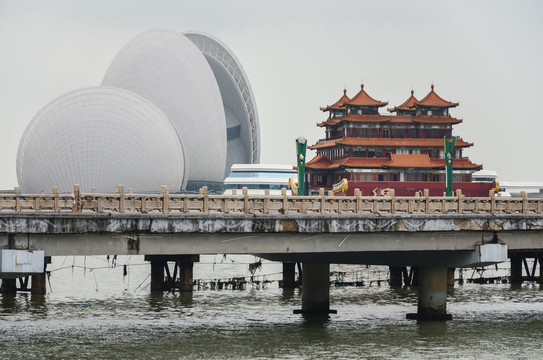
(203, 203)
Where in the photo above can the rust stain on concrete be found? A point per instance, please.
(288, 226)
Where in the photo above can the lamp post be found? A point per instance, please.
(301, 145)
(449, 155)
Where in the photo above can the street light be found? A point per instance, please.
(301, 145)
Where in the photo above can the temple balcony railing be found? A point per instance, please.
(244, 203)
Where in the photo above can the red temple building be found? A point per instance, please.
(403, 150)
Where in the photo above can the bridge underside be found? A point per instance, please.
(458, 249)
(494, 253)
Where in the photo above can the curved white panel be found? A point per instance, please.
(236, 92)
(100, 137)
(169, 70)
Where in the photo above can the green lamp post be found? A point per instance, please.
(301, 145)
(449, 155)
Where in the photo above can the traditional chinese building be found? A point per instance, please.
(403, 150)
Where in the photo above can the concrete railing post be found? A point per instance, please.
(55, 199)
(77, 199)
(427, 201)
(323, 199)
(358, 194)
(460, 200)
(285, 200)
(492, 196)
(120, 191)
(524, 202)
(266, 204)
(392, 201)
(245, 193)
(205, 193)
(165, 199)
(17, 200)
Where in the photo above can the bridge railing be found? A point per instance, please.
(166, 203)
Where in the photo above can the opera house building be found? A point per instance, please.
(173, 109)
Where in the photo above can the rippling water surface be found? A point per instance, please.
(92, 311)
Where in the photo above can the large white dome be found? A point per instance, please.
(100, 137)
(169, 70)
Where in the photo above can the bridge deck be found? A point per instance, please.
(370, 230)
(203, 203)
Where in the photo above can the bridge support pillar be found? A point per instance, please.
(432, 302)
(159, 264)
(315, 290)
(38, 285)
(157, 273)
(516, 269)
(39, 281)
(9, 286)
(450, 277)
(396, 273)
(289, 275)
(186, 278)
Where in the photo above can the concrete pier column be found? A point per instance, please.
(157, 272)
(516, 269)
(315, 290)
(38, 285)
(289, 275)
(39, 281)
(395, 276)
(186, 277)
(450, 277)
(9, 286)
(432, 301)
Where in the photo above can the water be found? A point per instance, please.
(94, 312)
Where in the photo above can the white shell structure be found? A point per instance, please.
(100, 137)
(168, 69)
(242, 126)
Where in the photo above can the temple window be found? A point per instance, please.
(359, 153)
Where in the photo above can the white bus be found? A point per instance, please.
(258, 178)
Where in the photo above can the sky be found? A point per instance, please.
(299, 56)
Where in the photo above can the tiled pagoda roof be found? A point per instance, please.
(387, 142)
(412, 161)
(434, 100)
(395, 119)
(408, 105)
(398, 161)
(338, 105)
(363, 99)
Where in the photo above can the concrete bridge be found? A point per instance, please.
(432, 233)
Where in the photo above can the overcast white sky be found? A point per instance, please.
(299, 55)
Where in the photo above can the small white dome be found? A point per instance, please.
(100, 137)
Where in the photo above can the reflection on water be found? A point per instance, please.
(123, 320)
